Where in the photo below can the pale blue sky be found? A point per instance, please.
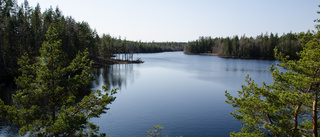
(186, 20)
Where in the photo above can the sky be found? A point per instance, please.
(186, 20)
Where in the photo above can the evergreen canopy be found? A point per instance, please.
(46, 104)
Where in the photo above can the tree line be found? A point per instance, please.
(260, 47)
(23, 30)
(112, 45)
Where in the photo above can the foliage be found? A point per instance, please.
(288, 107)
(23, 30)
(155, 132)
(260, 47)
(111, 45)
(45, 105)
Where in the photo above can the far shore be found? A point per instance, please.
(234, 57)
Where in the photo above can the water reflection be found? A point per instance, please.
(260, 66)
(118, 75)
(6, 91)
(114, 76)
(7, 129)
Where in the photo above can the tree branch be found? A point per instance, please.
(296, 119)
(268, 116)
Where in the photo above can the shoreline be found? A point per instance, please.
(233, 57)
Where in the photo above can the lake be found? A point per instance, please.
(183, 93)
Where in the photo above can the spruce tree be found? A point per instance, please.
(45, 104)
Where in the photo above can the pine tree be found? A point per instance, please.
(45, 104)
(288, 107)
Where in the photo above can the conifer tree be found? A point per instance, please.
(288, 107)
(45, 104)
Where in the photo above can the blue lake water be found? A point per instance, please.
(183, 93)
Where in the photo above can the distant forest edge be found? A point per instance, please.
(23, 30)
(260, 47)
(110, 45)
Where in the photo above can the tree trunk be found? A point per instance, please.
(24, 43)
(69, 37)
(314, 116)
(314, 107)
(53, 109)
(276, 133)
(296, 120)
(4, 61)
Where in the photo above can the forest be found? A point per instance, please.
(109, 45)
(23, 30)
(260, 47)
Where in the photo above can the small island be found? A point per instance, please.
(105, 62)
